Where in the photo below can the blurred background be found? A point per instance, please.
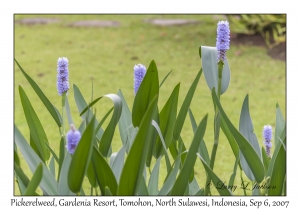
(102, 50)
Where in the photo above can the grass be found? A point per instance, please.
(106, 56)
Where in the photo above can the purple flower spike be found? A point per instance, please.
(223, 39)
(62, 75)
(73, 137)
(267, 133)
(139, 74)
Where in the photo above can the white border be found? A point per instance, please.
(6, 86)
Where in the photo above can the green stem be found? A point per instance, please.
(217, 125)
(243, 181)
(62, 116)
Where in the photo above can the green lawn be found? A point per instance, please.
(106, 56)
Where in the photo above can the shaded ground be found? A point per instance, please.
(278, 52)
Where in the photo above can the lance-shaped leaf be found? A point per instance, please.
(210, 68)
(104, 174)
(125, 123)
(215, 179)
(280, 124)
(253, 159)
(202, 148)
(37, 132)
(188, 165)
(81, 158)
(63, 187)
(167, 118)
(35, 180)
(148, 89)
(279, 173)
(51, 108)
(48, 183)
(108, 134)
(136, 159)
(247, 130)
(118, 163)
(153, 181)
(184, 107)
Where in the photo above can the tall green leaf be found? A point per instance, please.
(278, 174)
(153, 181)
(247, 130)
(162, 82)
(107, 136)
(35, 180)
(148, 89)
(63, 187)
(188, 165)
(136, 159)
(118, 164)
(81, 158)
(48, 183)
(37, 132)
(215, 179)
(202, 148)
(185, 106)
(208, 56)
(280, 124)
(125, 123)
(51, 108)
(167, 118)
(252, 158)
(104, 174)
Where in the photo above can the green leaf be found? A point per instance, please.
(233, 175)
(215, 179)
(208, 56)
(81, 103)
(62, 149)
(36, 129)
(202, 148)
(118, 164)
(108, 134)
(234, 146)
(63, 187)
(193, 187)
(16, 158)
(266, 159)
(52, 166)
(68, 111)
(48, 183)
(91, 175)
(278, 174)
(90, 105)
(51, 108)
(148, 89)
(247, 130)
(188, 165)
(162, 82)
(275, 153)
(185, 106)
(98, 128)
(136, 159)
(104, 174)
(125, 123)
(21, 177)
(107, 191)
(153, 181)
(35, 180)
(167, 118)
(280, 124)
(142, 188)
(81, 158)
(245, 147)
(169, 183)
(53, 153)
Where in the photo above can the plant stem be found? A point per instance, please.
(217, 125)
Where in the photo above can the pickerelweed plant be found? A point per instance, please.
(149, 134)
